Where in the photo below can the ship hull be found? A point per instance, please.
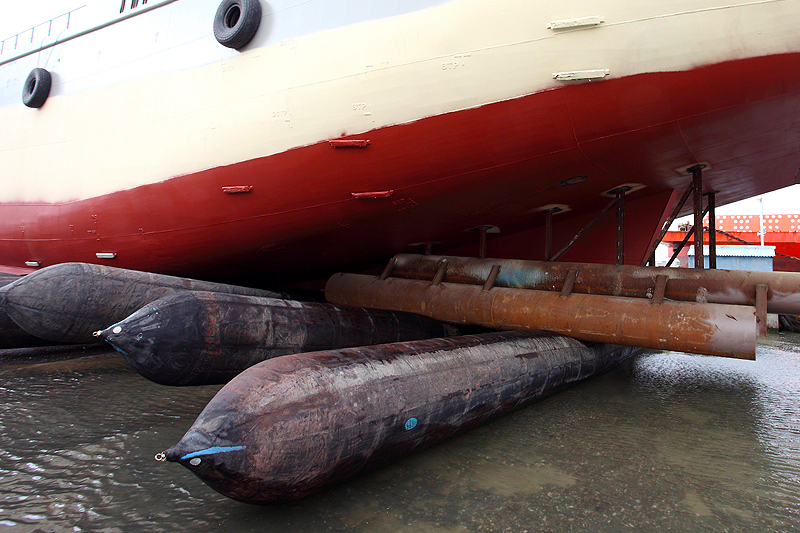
(358, 166)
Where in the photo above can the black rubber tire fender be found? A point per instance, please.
(236, 22)
(36, 88)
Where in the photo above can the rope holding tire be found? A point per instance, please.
(236, 22)
(36, 88)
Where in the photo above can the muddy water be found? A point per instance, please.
(664, 442)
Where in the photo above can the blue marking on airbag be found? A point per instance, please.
(120, 350)
(213, 450)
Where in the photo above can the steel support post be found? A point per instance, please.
(762, 292)
(683, 242)
(651, 252)
(482, 243)
(389, 267)
(621, 225)
(697, 194)
(712, 229)
(548, 235)
(584, 231)
(677, 250)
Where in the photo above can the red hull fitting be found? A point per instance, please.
(300, 214)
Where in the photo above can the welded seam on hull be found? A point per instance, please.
(693, 12)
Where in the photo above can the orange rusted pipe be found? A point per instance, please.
(735, 287)
(711, 329)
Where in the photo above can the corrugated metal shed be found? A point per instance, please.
(743, 257)
(739, 251)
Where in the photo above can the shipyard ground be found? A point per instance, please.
(664, 442)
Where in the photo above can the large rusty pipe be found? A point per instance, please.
(734, 287)
(711, 329)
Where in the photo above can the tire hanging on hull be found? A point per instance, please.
(36, 88)
(236, 22)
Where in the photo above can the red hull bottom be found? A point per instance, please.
(305, 213)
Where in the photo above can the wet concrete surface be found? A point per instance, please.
(664, 442)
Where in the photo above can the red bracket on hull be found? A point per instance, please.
(349, 143)
(238, 189)
(374, 194)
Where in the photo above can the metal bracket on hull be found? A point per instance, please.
(237, 189)
(689, 235)
(667, 224)
(482, 231)
(349, 143)
(619, 201)
(696, 189)
(570, 24)
(372, 194)
(548, 238)
(578, 75)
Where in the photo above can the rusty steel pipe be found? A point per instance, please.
(710, 329)
(734, 287)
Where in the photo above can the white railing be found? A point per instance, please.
(10, 44)
(87, 24)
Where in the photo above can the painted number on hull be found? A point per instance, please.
(362, 107)
(458, 61)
